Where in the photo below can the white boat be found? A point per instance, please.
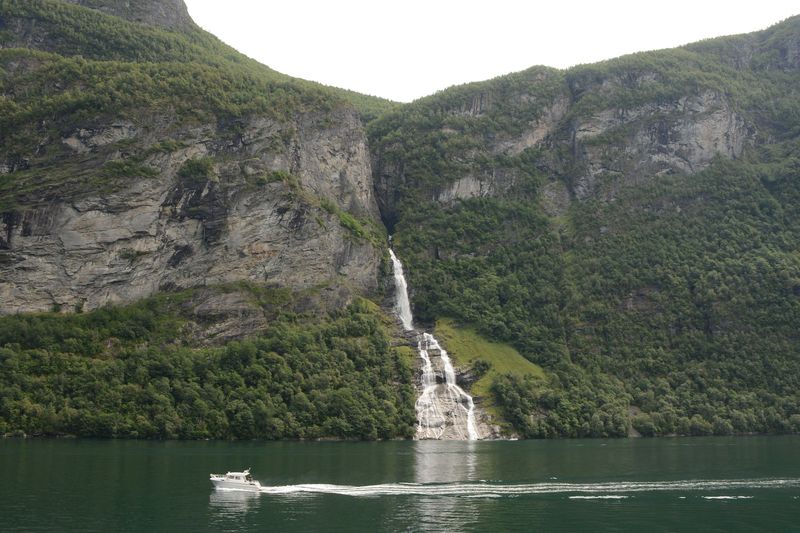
(236, 481)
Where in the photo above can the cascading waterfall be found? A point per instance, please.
(401, 293)
(444, 410)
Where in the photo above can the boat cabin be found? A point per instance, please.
(239, 476)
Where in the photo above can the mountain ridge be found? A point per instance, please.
(626, 225)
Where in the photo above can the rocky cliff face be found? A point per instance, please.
(169, 14)
(683, 135)
(256, 216)
(592, 129)
(132, 191)
(585, 150)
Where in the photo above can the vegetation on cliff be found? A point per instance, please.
(664, 303)
(138, 372)
(70, 31)
(66, 68)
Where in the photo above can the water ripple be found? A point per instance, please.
(493, 490)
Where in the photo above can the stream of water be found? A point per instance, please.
(444, 409)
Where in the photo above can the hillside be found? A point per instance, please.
(128, 149)
(630, 226)
(192, 245)
(163, 197)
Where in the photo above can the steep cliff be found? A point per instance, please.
(252, 212)
(121, 179)
(170, 14)
(592, 129)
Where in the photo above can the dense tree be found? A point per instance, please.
(127, 372)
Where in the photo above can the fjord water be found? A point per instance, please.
(680, 484)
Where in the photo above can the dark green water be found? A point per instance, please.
(577, 485)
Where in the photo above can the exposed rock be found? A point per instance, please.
(83, 140)
(493, 182)
(448, 420)
(14, 164)
(164, 233)
(225, 316)
(339, 165)
(684, 136)
(490, 430)
(555, 198)
(477, 105)
(170, 14)
(467, 187)
(539, 130)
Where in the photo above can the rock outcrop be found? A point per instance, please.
(656, 138)
(110, 202)
(169, 14)
(445, 407)
(257, 216)
(589, 150)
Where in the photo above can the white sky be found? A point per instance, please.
(411, 48)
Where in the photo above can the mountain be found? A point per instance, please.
(145, 164)
(168, 14)
(631, 226)
(157, 159)
(193, 245)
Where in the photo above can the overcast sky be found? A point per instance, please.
(406, 49)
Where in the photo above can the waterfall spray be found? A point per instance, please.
(444, 410)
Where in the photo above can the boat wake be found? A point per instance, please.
(493, 490)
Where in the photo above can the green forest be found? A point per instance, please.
(655, 302)
(133, 372)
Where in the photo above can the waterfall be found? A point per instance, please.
(444, 410)
(401, 293)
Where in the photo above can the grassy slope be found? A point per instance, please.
(467, 347)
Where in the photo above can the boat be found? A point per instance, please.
(236, 481)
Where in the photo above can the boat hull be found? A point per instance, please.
(233, 485)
